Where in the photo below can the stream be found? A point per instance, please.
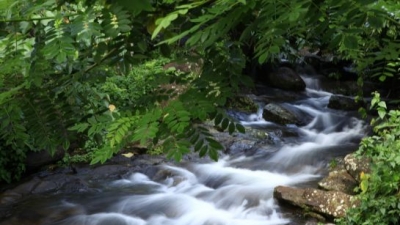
(236, 190)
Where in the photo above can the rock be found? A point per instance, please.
(28, 187)
(355, 165)
(242, 103)
(109, 171)
(339, 180)
(45, 186)
(329, 203)
(343, 103)
(75, 185)
(280, 114)
(287, 79)
(9, 198)
(268, 94)
(12, 196)
(240, 147)
(36, 160)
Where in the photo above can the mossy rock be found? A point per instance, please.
(242, 103)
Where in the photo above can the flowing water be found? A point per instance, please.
(236, 190)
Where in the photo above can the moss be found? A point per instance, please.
(242, 103)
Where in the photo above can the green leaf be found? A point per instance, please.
(364, 186)
(136, 6)
(80, 127)
(215, 144)
(274, 49)
(375, 22)
(350, 42)
(213, 154)
(163, 23)
(382, 104)
(240, 128)
(203, 151)
(381, 113)
(199, 145)
(262, 58)
(194, 138)
(294, 16)
(225, 124)
(231, 128)
(218, 119)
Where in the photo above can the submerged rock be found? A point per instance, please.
(328, 203)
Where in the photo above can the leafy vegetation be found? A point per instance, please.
(73, 72)
(79, 72)
(380, 196)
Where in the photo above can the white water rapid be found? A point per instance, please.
(236, 190)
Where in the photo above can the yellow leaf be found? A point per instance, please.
(128, 155)
(111, 107)
(362, 175)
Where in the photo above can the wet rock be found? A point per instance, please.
(343, 103)
(75, 185)
(242, 103)
(287, 79)
(9, 198)
(329, 203)
(267, 95)
(45, 186)
(109, 171)
(339, 180)
(280, 114)
(27, 187)
(171, 176)
(355, 165)
(12, 196)
(240, 146)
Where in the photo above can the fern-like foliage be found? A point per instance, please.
(56, 55)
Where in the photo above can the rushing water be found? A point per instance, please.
(233, 191)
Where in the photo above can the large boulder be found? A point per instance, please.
(356, 165)
(332, 204)
(287, 79)
(281, 114)
(343, 103)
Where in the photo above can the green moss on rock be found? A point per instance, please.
(242, 103)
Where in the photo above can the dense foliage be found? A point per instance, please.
(72, 71)
(65, 66)
(380, 194)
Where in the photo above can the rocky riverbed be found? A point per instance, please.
(296, 152)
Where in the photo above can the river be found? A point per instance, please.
(236, 190)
